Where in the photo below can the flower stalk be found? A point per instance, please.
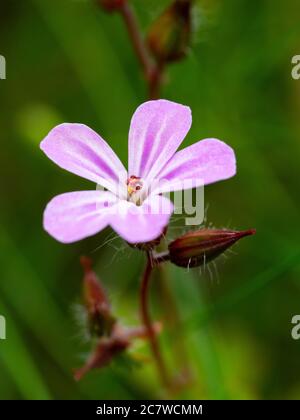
(153, 71)
(136, 38)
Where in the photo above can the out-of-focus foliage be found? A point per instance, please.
(68, 61)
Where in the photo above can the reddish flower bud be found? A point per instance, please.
(169, 35)
(201, 246)
(96, 302)
(111, 5)
(112, 338)
(108, 348)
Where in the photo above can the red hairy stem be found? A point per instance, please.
(136, 38)
(153, 72)
(155, 81)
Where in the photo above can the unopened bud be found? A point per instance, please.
(96, 302)
(169, 35)
(108, 348)
(201, 246)
(111, 5)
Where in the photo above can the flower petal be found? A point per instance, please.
(157, 129)
(203, 163)
(139, 224)
(73, 216)
(79, 149)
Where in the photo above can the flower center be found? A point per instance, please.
(134, 187)
(134, 184)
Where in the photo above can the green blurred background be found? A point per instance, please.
(67, 61)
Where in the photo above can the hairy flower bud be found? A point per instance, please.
(109, 348)
(96, 302)
(106, 350)
(201, 246)
(169, 35)
(112, 338)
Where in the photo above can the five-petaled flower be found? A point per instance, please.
(137, 215)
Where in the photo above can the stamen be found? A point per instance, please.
(134, 184)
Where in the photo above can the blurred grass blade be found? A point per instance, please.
(90, 49)
(205, 357)
(19, 362)
(29, 297)
(245, 291)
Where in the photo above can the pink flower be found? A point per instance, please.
(156, 131)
